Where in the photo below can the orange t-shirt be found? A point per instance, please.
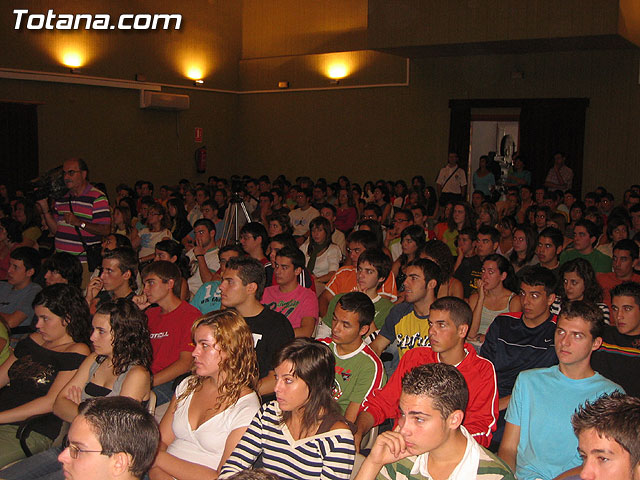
(344, 281)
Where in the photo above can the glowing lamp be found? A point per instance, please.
(337, 71)
(72, 59)
(194, 73)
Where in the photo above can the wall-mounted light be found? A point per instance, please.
(198, 82)
(337, 71)
(194, 73)
(73, 60)
(283, 84)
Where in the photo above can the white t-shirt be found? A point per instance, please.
(205, 445)
(300, 219)
(455, 183)
(213, 262)
(329, 261)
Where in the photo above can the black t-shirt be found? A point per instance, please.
(618, 359)
(468, 272)
(271, 330)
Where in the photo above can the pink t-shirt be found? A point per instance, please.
(295, 305)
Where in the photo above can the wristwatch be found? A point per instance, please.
(83, 225)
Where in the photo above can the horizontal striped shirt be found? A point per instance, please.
(323, 456)
(92, 207)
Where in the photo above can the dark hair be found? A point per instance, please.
(536, 275)
(364, 237)
(249, 271)
(208, 224)
(375, 228)
(459, 310)
(254, 474)
(592, 289)
(323, 224)
(374, 207)
(29, 257)
(491, 231)
(470, 232)
(121, 240)
(379, 260)
(442, 383)
(126, 218)
(68, 303)
(440, 253)
(430, 270)
(627, 289)
(587, 311)
(504, 266)
(530, 236)
(175, 249)
(615, 416)
(592, 229)
(283, 220)
(131, 203)
(131, 338)
(314, 364)
(329, 206)
(13, 228)
(468, 216)
(415, 233)
(293, 254)
(286, 239)
(32, 218)
(127, 262)
(615, 222)
(123, 425)
(554, 234)
(361, 304)
(66, 265)
(165, 271)
(256, 229)
(629, 246)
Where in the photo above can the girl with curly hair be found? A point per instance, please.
(40, 366)
(577, 281)
(119, 365)
(212, 408)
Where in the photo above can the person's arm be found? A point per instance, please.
(379, 344)
(389, 447)
(504, 402)
(136, 384)
(351, 412)
(249, 448)
(476, 302)
(135, 238)
(509, 445)
(364, 423)
(4, 369)
(64, 407)
(307, 325)
(180, 366)
(481, 414)
(166, 438)
(323, 302)
(13, 319)
(455, 288)
(267, 384)
(39, 405)
(93, 289)
(515, 305)
(98, 229)
(49, 219)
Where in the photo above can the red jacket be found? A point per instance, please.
(482, 410)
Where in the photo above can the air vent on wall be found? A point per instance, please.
(163, 101)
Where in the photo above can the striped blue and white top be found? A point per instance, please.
(327, 455)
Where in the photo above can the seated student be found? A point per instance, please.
(438, 252)
(401, 220)
(155, 230)
(169, 323)
(522, 340)
(538, 441)
(301, 435)
(549, 248)
(625, 259)
(430, 440)
(412, 240)
(207, 298)
(121, 430)
(407, 322)
(328, 211)
(212, 408)
(203, 258)
(119, 365)
(254, 240)
(18, 292)
(62, 267)
(302, 216)
(608, 432)
(468, 266)
(117, 280)
(618, 358)
(277, 242)
(586, 235)
(524, 247)
(359, 371)
(450, 319)
(298, 304)
(173, 252)
(496, 295)
(577, 281)
(40, 366)
(322, 256)
(617, 228)
(345, 279)
(242, 286)
(373, 269)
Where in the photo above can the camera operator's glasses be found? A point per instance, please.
(70, 173)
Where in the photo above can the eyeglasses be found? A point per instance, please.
(75, 451)
(70, 173)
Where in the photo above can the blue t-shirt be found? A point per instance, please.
(18, 300)
(207, 298)
(542, 403)
(485, 183)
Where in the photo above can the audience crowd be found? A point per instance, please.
(307, 329)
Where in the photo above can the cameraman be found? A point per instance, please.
(83, 209)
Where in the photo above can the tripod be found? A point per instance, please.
(235, 218)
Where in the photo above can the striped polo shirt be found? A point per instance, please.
(92, 207)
